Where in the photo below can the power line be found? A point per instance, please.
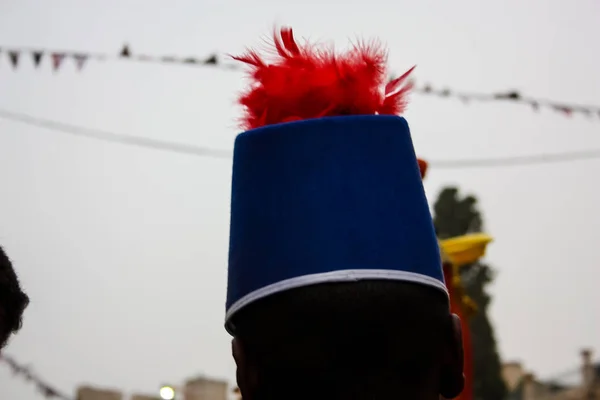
(564, 374)
(214, 61)
(107, 136)
(516, 161)
(131, 140)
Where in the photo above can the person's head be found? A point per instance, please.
(12, 300)
(361, 340)
(327, 189)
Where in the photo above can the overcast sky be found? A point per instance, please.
(123, 249)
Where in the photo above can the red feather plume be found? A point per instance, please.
(302, 82)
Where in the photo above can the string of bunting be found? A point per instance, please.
(58, 57)
(45, 389)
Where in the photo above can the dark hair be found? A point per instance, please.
(367, 339)
(12, 299)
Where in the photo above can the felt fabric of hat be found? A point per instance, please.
(326, 186)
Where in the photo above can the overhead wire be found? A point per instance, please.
(200, 151)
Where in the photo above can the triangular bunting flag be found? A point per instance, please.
(80, 60)
(57, 59)
(48, 392)
(125, 52)
(37, 58)
(14, 58)
(568, 111)
(212, 60)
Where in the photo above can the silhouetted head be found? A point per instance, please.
(12, 300)
(360, 340)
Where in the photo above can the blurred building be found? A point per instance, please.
(90, 393)
(203, 388)
(523, 385)
(200, 388)
(144, 397)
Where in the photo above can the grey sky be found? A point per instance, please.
(123, 250)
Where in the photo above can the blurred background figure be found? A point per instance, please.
(13, 300)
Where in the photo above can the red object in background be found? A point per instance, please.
(456, 307)
(422, 167)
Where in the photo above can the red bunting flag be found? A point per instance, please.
(57, 59)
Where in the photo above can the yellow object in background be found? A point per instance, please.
(459, 251)
(465, 249)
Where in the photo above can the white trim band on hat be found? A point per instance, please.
(347, 275)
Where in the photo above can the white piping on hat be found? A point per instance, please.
(348, 275)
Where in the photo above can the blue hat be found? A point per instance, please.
(334, 199)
